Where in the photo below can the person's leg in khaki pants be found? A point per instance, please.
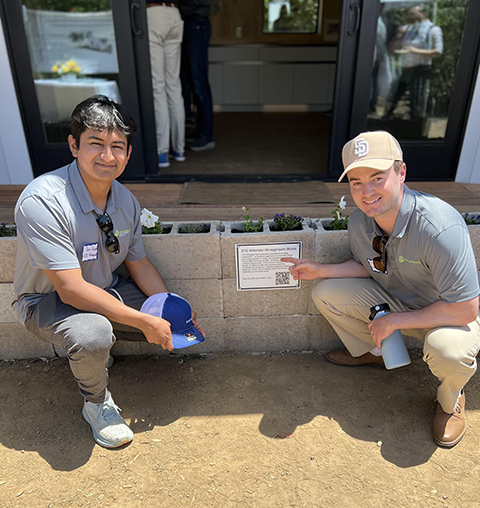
(449, 351)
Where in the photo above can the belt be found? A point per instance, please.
(163, 4)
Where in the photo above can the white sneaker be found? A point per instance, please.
(109, 428)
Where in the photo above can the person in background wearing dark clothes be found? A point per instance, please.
(194, 73)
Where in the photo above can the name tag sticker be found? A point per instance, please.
(90, 252)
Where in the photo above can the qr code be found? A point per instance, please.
(282, 278)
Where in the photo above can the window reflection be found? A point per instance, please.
(294, 16)
(415, 62)
(72, 55)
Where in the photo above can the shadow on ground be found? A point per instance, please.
(42, 407)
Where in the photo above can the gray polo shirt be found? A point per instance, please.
(430, 256)
(57, 230)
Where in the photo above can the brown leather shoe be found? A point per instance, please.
(449, 428)
(343, 357)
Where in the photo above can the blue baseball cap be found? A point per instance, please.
(177, 311)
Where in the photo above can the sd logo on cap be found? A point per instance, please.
(178, 313)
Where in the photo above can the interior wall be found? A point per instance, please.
(469, 163)
(15, 166)
(240, 22)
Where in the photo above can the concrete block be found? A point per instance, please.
(126, 347)
(281, 302)
(204, 295)
(120, 348)
(186, 256)
(8, 253)
(7, 314)
(475, 239)
(214, 329)
(17, 343)
(331, 246)
(59, 351)
(322, 336)
(312, 309)
(228, 241)
(272, 333)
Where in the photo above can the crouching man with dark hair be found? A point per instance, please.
(76, 226)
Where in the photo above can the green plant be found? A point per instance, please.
(302, 18)
(194, 228)
(284, 222)
(7, 230)
(250, 226)
(471, 219)
(339, 222)
(150, 223)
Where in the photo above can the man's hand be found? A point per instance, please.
(157, 331)
(381, 327)
(302, 268)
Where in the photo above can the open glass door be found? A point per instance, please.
(412, 75)
(63, 53)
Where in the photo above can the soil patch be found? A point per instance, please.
(282, 430)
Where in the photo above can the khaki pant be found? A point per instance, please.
(448, 351)
(165, 34)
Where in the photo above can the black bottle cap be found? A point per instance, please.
(378, 308)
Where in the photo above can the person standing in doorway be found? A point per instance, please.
(196, 40)
(165, 34)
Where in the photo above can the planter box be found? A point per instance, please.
(201, 268)
(229, 239)
(331, 246)
(8, 252)
(474, 231)
(186, 256)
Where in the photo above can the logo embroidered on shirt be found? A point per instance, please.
(401, 259)
(124, 232)
(361, 147)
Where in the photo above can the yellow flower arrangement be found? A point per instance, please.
(67, 67)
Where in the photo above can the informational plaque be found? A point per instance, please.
(258, 265)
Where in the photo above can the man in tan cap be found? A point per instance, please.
(412, 251)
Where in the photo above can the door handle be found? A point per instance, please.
(135, 7)
(355, 15)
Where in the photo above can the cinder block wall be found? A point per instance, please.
(201, 268)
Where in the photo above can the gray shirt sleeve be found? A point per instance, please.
(436, 39)
(451, 260)
(46, 234)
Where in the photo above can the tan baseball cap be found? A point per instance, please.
(376, 150)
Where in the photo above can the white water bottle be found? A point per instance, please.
(394, 351)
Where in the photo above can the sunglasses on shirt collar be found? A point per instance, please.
(106, 225)
(379, 246)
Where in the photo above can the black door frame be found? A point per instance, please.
(426, 160)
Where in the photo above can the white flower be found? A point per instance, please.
(148, 219)
(342, 204)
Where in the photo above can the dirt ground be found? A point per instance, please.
(286, 430)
